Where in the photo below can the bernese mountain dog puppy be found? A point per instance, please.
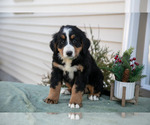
(73, 65)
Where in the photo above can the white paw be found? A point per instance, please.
(74, 116)
(74, 106)
(65, 91)
(62, 91)
(93, 98)
(90, 97)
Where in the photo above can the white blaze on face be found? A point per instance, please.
(68, 47)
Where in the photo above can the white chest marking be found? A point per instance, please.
(69, 69)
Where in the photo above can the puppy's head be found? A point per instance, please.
(69, 42)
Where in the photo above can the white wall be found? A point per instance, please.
(103, 6)
(24, 37)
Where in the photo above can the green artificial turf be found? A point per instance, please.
(20, 97)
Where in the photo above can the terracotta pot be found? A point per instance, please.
(130, 88)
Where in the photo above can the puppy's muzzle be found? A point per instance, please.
(69, 53)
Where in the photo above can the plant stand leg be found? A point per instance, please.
(136, 93)
(123, 96)
(112, 91)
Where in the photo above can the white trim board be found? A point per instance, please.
(145, 83)
(132, 18)
(131, 32)
(146, 87)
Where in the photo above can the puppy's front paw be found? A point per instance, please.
(74, 105)
(80, 67)
(50, 101)
(76, 98)
(75, 101)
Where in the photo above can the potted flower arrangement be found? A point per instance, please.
(127, 71)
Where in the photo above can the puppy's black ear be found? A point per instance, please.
(53, 43)
(85, 41)
(86, 44)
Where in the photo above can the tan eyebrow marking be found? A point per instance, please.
(72, 36)
(62, 36)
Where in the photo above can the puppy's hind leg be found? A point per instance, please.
(92, 95)
(96, 96)
(68, 90)
(98, 89)
(91, 92)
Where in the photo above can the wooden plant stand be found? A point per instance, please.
(123, 101)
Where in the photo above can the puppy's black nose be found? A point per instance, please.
(69, 53)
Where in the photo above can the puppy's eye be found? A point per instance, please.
(72, 36)
(62, 36)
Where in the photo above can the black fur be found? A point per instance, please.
(91, 74)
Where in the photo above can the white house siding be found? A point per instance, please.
(25, 37)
